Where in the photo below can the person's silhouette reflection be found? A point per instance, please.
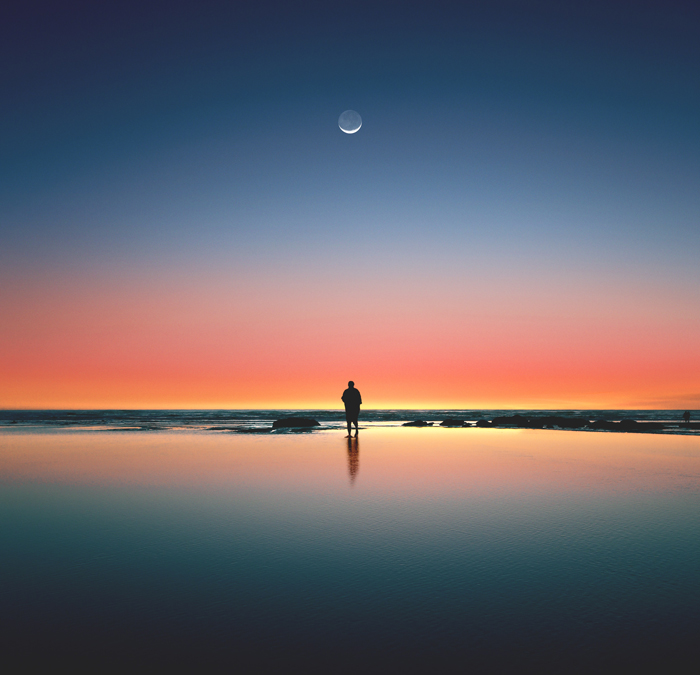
(353, 457)
(352, 400)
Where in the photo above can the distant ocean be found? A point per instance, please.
(261, 420)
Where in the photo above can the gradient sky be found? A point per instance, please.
(517, 223)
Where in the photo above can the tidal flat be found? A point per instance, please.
(492, 550)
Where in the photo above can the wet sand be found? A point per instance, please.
(509, 548)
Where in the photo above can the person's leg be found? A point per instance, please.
(349, 428)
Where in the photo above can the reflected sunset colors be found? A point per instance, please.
(433, 461)
(423, 548)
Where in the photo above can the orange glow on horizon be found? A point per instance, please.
(175, 345)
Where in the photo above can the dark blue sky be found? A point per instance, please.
(545, 98)
(128, 126)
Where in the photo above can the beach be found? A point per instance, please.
(499, 549)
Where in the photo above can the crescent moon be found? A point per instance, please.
(350, 122)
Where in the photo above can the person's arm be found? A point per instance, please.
(359, 398)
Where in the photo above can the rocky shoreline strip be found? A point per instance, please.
(577, 423)
(558, 422)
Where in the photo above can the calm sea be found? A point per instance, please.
(153, 420)
(406, 550)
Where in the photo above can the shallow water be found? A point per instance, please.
(410, 549)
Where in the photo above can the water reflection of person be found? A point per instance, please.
(353, 457)
(686, 416)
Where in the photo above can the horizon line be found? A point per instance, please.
(319, 408)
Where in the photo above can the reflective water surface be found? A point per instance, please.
(406, 549)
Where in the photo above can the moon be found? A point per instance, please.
(350, 122)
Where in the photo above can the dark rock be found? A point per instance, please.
(295, 422)
(417, 423)
(633, 425)
(483, 423)
(512, 420)
(550, 421)
(564, 422)
(575, 423)
(627, 425)
(533, 424)
(651, 426)
(451, 422)
(603, 424)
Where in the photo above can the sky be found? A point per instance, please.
(516, 224)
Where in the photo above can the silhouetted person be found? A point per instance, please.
(352, 399)
(686, 416)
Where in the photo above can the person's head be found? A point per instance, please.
(351, 384)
